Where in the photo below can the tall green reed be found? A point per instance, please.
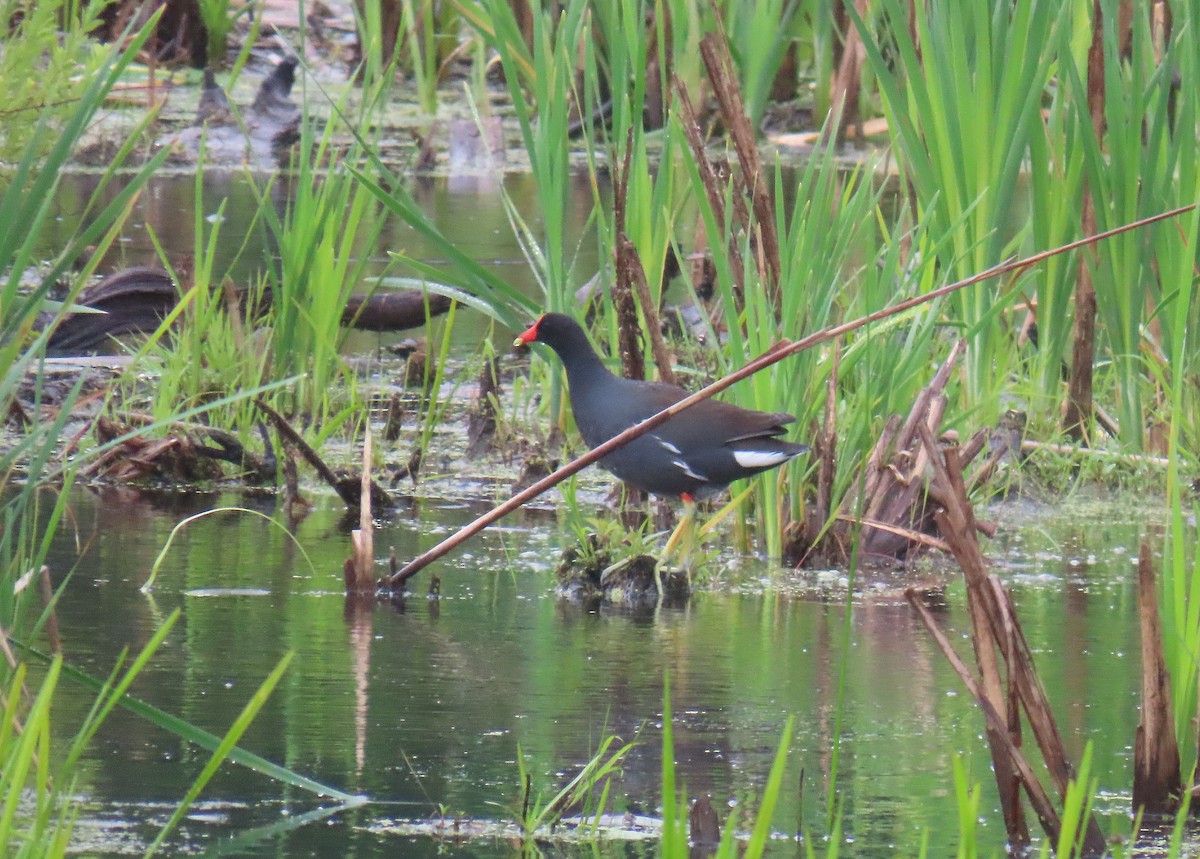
(544, 114)
(330, 222)
(1141, 164)
(1055, 208)
(646, 162)
(962, 92)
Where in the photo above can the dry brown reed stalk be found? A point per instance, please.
(637, 275)
(714, 49)
(997, 638)
(1157, 784)
(774, 355)
(708, 177)
(47, 589)
(629, 346)
(1083, 334)
(631, 274)
(847, 82)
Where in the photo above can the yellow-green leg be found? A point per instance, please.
(684, 532)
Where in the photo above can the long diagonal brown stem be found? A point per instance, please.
(776, 354)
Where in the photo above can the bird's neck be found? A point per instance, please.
(584, 367)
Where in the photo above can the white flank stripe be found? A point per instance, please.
(670, 447)
(760, 458)
(687, 470)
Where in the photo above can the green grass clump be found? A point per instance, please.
(46, 66)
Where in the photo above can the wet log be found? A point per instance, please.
(137, 300)
(260, 135)
(393, 311)
(130, 301)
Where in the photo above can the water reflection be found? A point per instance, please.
(426, 706)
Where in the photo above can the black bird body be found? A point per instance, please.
(695, 454)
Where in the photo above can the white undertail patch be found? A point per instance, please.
(761, 458)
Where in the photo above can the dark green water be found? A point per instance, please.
(424, 708)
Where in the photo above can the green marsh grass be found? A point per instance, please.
(220, 17)
(322, 237)
(674, 843)
(963, 101)
(210, 345)
(40, 759)
(436, 402)
(48, 65)
(587, 793)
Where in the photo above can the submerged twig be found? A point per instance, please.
(774, 355)
(49, 599)
(347, 489)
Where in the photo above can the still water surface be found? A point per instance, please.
(424, 708)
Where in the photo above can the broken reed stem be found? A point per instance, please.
(996, 633)
(297, 441)
(1043, 807)
(956, 523)
(631, 261)
(363, 537)
(1157, 783)
(777, 353)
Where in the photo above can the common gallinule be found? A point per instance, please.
(694, 455)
